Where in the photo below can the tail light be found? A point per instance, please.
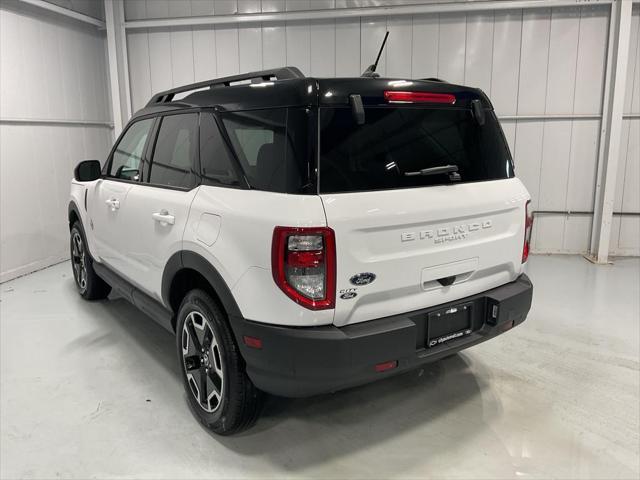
(418, 97)
(303, 262)
(528, 225)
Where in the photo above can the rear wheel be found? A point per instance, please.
(89, 284)
(219, 392)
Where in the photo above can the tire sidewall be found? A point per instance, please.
(200, 302)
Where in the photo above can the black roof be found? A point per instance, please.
(287, 86)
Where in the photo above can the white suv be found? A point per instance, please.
(304, 235)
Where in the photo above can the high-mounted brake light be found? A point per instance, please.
(528, 226)
(303, 262)
(419, 97)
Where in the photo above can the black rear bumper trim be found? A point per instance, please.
(305, 361)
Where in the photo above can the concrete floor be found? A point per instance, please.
(92, 390)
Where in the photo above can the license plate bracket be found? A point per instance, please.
(449, 323)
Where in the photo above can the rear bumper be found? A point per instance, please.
(299, 362)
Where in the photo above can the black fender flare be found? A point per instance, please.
(73, 208)
(187, 259)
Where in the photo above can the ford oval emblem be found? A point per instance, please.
(361, 279)
(348, 295)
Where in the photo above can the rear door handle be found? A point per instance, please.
(113, 203)
(163, 217)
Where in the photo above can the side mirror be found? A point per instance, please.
(87, 171)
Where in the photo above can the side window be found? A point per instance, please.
(215, 159)
(175, 152)
(128, 153)
(272, 154)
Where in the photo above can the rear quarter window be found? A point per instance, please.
(273, 147)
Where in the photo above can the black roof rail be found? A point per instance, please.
(282, 73)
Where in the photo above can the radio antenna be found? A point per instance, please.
(371, 70)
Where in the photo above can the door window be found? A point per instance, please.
(215, 159)
(127, 156)
(175, 152)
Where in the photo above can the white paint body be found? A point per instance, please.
(408, 238)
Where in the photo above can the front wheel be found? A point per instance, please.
(89, 284)
(219, 392)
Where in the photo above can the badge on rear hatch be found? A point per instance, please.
(364, 278)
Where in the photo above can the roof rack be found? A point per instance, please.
(282, 73)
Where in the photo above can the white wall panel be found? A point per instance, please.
(630, 185)
(225, 7)
(425, 39)
(50, 69)
(274, 45)
(157, 8)
(160, 61)
(249, 6)
(563, 53)
(139, 71)
(583, 165)
(204, 54)
(298, 46)
(182, 57)
(507, 35)
(534, 56)
(227, 51)
(399, 47)
(479, 50)
(531, 62)
(250, 48)
(322, 36)
(554, 170)
(451, 47)
(590, 67)
(528, 156)
(348, 48)
(200, 7)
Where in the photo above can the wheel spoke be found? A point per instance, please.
(216, 381)
(193, 337)
(217, 361)
(207, 338)
(203, 388)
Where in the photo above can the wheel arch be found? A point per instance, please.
(186, 270)
(73, 214)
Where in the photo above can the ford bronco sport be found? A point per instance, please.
(305, 235)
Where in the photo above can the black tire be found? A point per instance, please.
(231, 403)
(89, 284)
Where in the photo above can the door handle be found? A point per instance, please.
(114, 203)
(163, 218)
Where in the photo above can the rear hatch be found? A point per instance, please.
(423, 201)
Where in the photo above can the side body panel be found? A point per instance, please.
(233, 228)
(144, 243)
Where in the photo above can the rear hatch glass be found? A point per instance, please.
(397, 141)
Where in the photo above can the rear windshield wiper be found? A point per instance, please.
(451, 170)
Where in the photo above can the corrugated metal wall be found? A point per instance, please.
(50, 69)
(539, 62)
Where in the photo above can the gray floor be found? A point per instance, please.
(92, 390)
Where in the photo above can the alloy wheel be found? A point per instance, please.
(78, 260)
(202, 361)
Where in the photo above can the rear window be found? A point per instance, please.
(396, 141)
(273, 147)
